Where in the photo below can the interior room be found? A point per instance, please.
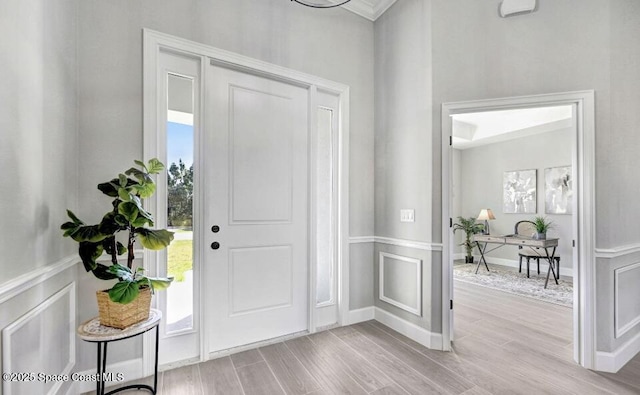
(517, 161)
(285, 175)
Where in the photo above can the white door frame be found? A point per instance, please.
(153, 43)
(584, 162)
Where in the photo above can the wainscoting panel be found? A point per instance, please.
(401, 282)
(627, 294)
(41, 341)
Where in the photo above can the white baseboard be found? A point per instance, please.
(564, 271)
(614, 361)
(361, 315)
(131, 370)
(409, 329)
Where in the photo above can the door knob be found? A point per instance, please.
(215, 229)
(215, 245)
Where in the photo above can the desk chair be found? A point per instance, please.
(528, 229)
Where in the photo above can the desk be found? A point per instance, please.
(92, 331)
(520, 241)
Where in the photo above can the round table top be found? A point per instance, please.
(92, 331)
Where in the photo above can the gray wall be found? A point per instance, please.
(38, 131)
(403, 145)
(482, 170)
(334, 44)
(38, 157)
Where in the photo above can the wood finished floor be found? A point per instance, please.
(505, 344)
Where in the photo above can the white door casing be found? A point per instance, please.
(256, 172)
(156, 43)
(584, 225)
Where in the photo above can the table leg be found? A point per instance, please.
(481, 260)
(551, 266)
(155, 371)
(99, 369)
(102, 367)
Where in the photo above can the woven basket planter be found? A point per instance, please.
(118, 315)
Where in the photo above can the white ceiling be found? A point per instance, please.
(481, 128)
(370, 9)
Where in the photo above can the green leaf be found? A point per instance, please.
(124, 194)
(158, 284)
(154, 239)
(122, 272)
(111, 188)
(155, 166)
(141, 221)
(121, 249)
(109, 225)
(123, 180)
(73, 217)
(89, 253)
(129, 210)
(145, 189)
(124, 292)
(140, 175)
(140, 163)
(102, 272)
(88, 233)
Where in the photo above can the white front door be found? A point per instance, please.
(256, 140)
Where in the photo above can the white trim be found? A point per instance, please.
(180, 117)
(16, 325)
(584, 253)
(154, 42)
(614, 361)
(361, 315)
(362, 239)
(621, 330)
(617, 252)
(22, 283)
(131, 370)
(419, 245)
(409, 329)
(368, 9)
(418, 262)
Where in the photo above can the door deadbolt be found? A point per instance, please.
(215, 229)
(215, 245)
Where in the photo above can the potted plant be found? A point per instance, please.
(470, 227)
(128, 301)
(542, 226)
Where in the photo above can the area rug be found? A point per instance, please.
(516, 283)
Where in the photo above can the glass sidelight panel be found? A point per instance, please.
(180, 150)
(325, 209)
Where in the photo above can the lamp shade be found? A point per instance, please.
(486, 214)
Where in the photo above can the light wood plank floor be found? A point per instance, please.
(505, 344)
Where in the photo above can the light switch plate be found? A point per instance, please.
(407, 215)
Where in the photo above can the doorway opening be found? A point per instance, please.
(505, 178)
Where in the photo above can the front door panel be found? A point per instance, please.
(256, 191)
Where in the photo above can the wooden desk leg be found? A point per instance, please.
(481, 260)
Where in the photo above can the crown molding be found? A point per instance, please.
(369, 9)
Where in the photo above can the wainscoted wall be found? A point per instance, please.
(618, 306)
(38, 321)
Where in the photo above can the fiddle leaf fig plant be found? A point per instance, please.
(127, 215)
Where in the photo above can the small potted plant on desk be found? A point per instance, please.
(470, 227)
(542, 226)
(129, 300)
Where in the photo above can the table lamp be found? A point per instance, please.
(485, 215)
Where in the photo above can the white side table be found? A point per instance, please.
(91, 331)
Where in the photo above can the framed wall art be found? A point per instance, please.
(519, 192)
(558, 188)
